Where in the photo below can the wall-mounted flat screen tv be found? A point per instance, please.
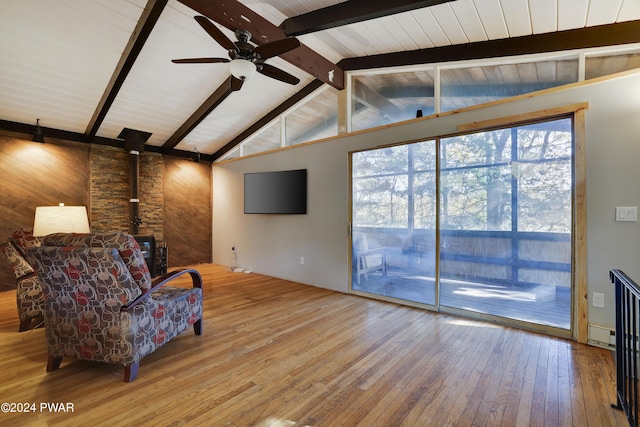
(280, 192)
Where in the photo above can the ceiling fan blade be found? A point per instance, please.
(278, 74)
(199, 60)
(215, 32)
(278, 47)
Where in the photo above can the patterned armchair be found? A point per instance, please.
(29, 296)
(101, 304)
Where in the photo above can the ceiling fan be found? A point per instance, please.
(245, 58)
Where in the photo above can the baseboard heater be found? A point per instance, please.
(601, 336)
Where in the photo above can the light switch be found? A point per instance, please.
(626, 213)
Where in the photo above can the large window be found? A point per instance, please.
(480, 222)
(384, 96)
(315, 119)
(267, 139)
(473, 85)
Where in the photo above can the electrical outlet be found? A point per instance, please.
(598, 299)
(301, 260)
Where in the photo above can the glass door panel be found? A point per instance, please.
(505, 218)
(483, 224)
(393, 222)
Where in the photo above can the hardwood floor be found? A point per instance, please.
(277, 353)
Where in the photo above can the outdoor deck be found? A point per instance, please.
(542, 304)
(524, 276)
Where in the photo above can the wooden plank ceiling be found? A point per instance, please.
(89, 69)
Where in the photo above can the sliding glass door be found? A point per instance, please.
(394, 222)
(480, 222)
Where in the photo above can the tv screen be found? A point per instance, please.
(281, 192)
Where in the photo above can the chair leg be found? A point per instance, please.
(31, 323)
(131, 372)
(197, 327)
(53, 363)
(24, 325)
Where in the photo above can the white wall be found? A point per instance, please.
(273, 244)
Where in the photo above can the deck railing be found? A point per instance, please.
(627, 316)
(507, 257)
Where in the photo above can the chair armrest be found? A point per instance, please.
(159, 282)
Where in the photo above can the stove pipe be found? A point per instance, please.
(134, 141)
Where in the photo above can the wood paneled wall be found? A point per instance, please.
(188, 211)
(33, 175)
(177, 191)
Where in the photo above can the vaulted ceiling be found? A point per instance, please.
(90, 68)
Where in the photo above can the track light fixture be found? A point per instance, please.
(196, 158)
(37, 135)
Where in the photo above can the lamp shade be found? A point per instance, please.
(60, 219)
(242, 69)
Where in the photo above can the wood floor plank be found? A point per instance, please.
(605, 383)
(540, 386)
(589, 388)
(409, 384)
(564, 383)
(526, 402)
(510, 413)
(497, 393)
(435, 408)
(551, 405)
(578, 403)
(484, 374)
(278, 353)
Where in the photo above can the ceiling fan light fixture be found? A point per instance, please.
(242, 69)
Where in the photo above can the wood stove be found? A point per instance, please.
(148, 247)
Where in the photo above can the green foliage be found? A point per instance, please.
(518, 178)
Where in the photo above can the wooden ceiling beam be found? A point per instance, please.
(147, 21)
(233, 15)
(8, 128)
(350, 12)
(230, 85)
(598, 36)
